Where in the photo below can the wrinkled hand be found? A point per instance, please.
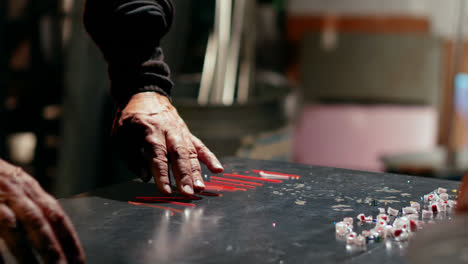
(462, 199)
(31, 217)
(151, 133)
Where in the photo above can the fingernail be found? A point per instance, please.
(188, 189)
(199, 183)
(219, 166)
(167, 188)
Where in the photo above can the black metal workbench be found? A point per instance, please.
(289, 222)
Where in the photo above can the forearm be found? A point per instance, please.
(128, 32)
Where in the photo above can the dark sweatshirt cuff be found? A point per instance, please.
(128, 79)
(128, 32)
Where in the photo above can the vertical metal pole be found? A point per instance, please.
(239, 18)
(247, 67)
(209, 67)
(458, 59)
(224, 9)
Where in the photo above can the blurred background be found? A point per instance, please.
(372, 85)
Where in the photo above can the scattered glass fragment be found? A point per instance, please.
(348, 220)
(415, 225)
(342, 229)
(416, 206)
(360, 241)
(443, 196)
(401, 223)
(452, 203)
(441, 190)
(392, 212)
(442, 206)
(383, 217)
(363, 218)
(409, 210)
(350, 238)
(414, 217)
(427, 214)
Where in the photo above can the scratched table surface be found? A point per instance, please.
(288, 222)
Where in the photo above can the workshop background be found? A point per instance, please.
(373, 85)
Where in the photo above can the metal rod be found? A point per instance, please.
(247, 67)
(224, 9)
(457, 56)
(209, 66)
(234, 51)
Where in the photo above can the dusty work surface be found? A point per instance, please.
(288, 222)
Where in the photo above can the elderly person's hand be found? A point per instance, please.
(462, 199)
(29, 217)
(151, 134)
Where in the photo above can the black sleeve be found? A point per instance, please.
(128, 32)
